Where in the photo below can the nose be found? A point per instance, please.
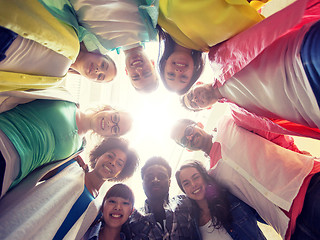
(117, 206)
(178, 70)
(139, 70)
(155, 179)
(111, 162)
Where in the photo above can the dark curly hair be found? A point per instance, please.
(156, 161)
(216, 196)
(112, 143)
(168, 45)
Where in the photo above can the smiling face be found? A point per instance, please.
(200, 97)
(191, 136)
(193, 183)
(110, 164)
(139, 68)
(97, 67)
(110, 123)
(156, 182)
(178, 70)
(116, 211)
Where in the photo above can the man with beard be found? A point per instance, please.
(259, 168)
(160, 218)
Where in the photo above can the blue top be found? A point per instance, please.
(78, 208)
(244, 221)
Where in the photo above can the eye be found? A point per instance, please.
(109, 155)
(111, 201)
(115, 130)
(115, 118)
(185, 184)
(120, 164)
(126, 203)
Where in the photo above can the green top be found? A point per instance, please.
(42, 131)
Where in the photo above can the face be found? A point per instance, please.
(199, 97)
(156, 182)
(178, 70)
(193, 183)
(97, 67)
(140, 69)
(110, 164)
(110, 123)
(116, 211)
(191, 136)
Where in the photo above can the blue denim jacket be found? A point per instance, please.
(244, 221)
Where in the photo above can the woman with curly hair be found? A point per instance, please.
(218, 214)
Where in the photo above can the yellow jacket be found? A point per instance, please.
(31, 20)
(200, 24)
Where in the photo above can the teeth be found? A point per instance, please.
(196, 191)
(136, 62)
(180, 65)
(102, 124)
(116, 215)
(108, 169)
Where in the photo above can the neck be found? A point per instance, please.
(138, 48)
(205, 214)
(158, 210)
(93, 183)
(208, 145)
(83, 122)
(107, 233)
(75, 66)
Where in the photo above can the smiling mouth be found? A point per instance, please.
(136, 63)
(103, 124)
(106, 168)
(196, 191)
(116, 215)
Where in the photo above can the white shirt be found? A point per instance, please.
(264, 175)
(208, 232)
(275, 85)
(29, 57)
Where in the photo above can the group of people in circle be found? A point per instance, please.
(268, 74)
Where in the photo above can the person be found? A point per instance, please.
(50, 130)
(112, 160)
(218, 213)
(74, 201)
(39, 58)
(160, 218)
(116, 208)
(263, 88)
(266, 172)
(186, 32)
(108, 25)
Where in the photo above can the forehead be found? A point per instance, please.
(187, 173)
(156, 169)
(178, 132)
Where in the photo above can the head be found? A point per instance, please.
(199, 186)
(117, 205)
(200, 96)
(193, 179)
(189, 134)
(113, 160)
(140, 70)
(109, 122)
(179, 70)
(95, 66)
(156, 177)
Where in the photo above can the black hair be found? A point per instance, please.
(120, 190)
(168, 46)
(113, 143)
(156, 161)
(216, 196)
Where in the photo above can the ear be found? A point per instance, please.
(169, 182)
(189, 150)
(208, 108)
(152, 62)
(199, 83)
(126, 71)
(200, 125)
